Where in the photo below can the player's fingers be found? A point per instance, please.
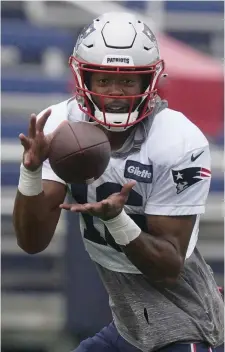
(27, 159)
(32, 126)
(42, 121)
(73, 207)
(127, 188)
(107, 204)
(88, 206)
(65, 206)
(24, 141)
(80, 208)
(93, 208)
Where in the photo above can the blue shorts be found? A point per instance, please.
(109, 340)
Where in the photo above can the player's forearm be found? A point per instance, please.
(155, 258)
(32, 219)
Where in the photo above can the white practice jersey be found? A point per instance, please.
(172, 170)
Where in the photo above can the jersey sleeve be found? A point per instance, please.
(57, 116)
(49, 174)
(183, 187)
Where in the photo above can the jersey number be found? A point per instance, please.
(103, 191)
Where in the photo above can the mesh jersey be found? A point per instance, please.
(172, 170)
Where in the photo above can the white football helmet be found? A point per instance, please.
(119, 42)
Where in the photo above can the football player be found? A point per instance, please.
(140, 219)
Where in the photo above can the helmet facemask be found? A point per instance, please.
(140, 105)
(118, 43)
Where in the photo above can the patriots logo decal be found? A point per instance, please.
(188, 177)
(84, 33)
(149, 34)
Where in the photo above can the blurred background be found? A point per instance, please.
(52, 300)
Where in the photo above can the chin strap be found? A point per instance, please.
(116, 119)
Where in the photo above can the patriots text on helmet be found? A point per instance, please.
(124, 60)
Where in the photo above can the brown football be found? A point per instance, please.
(79, 152)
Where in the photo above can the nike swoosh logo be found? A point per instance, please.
(194, 157)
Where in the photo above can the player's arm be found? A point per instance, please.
(36, 208)
(179, 195)
(35, 217)
(160, 253)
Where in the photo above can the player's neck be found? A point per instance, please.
(117, 139)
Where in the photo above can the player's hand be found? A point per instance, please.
(36, 144)
(108, 208)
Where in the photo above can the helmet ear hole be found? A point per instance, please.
(92, 108)
(146, 81)
(87, 79)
